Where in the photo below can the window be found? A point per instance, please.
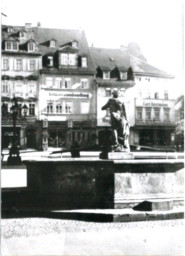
(10, 29)
(5, 64)
(106, 75)
(108, 92)
(148, 113)
(148, 94)
(32, 65)
(84, 83)
(49, 81)
(166, 114)
(67, 83)
(85, 107)
(123, 75)
(31, 47)
(166, 95)
(156, 95)
(50, 61)
(64, 59)
(74, 44)
(32, 88)
(50, 108)
(31, 109)
(84, 62)
(5, 86)
(59, 108)
(18, 87)
(107, 113)
(157, 114)
(58, 82)
(139, 113)
(18, 64)
(22, 34)
(15, 46)
(52, 43)
(68, 107)
(122, 93)
(8, 45)
(72, 59)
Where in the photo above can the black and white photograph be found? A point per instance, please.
(92, 128)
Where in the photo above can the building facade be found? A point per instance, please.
(153, 107)
(21, 61)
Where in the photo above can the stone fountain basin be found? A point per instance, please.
(89, 182)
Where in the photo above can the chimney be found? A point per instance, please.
(27, 25)
(38, 24)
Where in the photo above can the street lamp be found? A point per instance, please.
(14, 158)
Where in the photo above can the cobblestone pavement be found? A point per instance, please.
(39, 236)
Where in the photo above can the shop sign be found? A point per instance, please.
(70, 95)
(154, 104)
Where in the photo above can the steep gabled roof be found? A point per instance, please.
(141, 67)
(108, 59)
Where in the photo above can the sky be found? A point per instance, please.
(156, 25)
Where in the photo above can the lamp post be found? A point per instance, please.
(14, 158)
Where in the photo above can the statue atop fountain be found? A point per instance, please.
(119, 124)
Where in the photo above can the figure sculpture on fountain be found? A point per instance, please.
(119, 123)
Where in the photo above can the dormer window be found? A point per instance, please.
(31, 47)
(50, 61)
(68, 59)
(11, 46)
(84, 62)
(52, 43)
(22, 34)
(106, 75)
(123, 75)
(75, 44)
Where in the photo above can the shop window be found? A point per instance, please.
(106, 75)
(108, 92)
(166, 95)
(31, 109)
(157, 114)
(32, 65)
(5, 65)
(67, 83)
(5, 86)
(49, 81)
(139, 113)
(148, 113)
(84, 83)
(50, 108)
(84, 62)
(18, 64)
(166, 114)
(59, 108)
(68, 107)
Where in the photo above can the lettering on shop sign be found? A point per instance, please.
(71, 94)
(153, 104)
